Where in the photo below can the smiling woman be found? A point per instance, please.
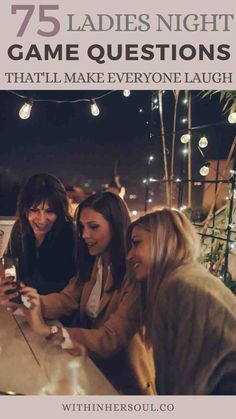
(42, 237)
(190, 314)
(103, 299)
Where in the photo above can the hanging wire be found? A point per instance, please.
(61, 101)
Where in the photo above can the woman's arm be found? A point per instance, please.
(118, 329)
(62, 303)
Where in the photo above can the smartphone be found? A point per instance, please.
(11, 268)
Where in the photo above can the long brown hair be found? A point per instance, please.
(115, 211)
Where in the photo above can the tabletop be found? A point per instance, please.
(31, 365)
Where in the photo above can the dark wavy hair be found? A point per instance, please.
(115, 211)
(41, 188)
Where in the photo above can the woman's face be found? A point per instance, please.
(96, 231)
(41, 219)
(139, 255)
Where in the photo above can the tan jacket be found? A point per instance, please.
(114, 339)
(194, 334)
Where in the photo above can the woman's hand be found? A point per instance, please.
(7, 284)
(33, 313)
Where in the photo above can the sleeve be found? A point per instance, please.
(194, 338)
(118, 329)
(63, 303)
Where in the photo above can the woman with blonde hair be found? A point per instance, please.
(190, 315)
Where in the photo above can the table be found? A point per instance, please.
(22, 361)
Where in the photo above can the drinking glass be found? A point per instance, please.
(65, 372)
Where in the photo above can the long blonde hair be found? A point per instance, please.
(174, 242)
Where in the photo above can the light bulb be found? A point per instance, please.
(94, 109)
(203, 142)
(184, 120)
(232, 118)
(25, 111)
(150, 158)
(126, 93)
(204, 171)
(185, 138)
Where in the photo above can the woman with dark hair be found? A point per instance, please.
(190, 314)
(42, 238)
(116, 214)
(105, 300)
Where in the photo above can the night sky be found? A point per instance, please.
(66, 140)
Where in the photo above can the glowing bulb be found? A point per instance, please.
(151, 158)
(134, 212)
(185, 138)
(185, 101)
(203, 142)
(232, 118)
(25, 111)
(94, 109)
(184, 120)
(185, 151)
(155, 100)
(144, 180)
(183, 208)
(126, 93)
(140, 110)
(204, 171)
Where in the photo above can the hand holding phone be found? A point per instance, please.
(11, 268)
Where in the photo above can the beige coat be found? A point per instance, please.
(194, 334)
(114, 339)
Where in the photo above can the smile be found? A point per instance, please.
(136, 265)
(41, 227)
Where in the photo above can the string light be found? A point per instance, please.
(203, 142)
(140, 110)
(184, 120)
(25, 110)
(185, 138)
(144, 181)
(94, 108)
(151, 158)
(185, 151)
(185, 101)
(126, 93)
(134, 212)
(204, 171)
(183, 208)
(232, 118)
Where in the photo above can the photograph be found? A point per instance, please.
(118, 242)
(117, 209)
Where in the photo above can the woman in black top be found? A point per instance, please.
(42, 238)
